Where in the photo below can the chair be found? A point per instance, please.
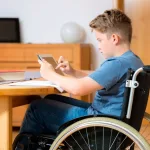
(104, 132)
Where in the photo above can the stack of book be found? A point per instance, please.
(12, 78)
(8, 76)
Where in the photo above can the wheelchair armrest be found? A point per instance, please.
(147, 116)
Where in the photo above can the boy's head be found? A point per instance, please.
(113, 26)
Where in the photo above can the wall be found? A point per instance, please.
(41, 20)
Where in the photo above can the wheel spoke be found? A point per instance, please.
(95, 138)
(110, 137)
(69, 145)
(114, 141)
(103, 140)
(87, 136)
(84, 141)
(121, 142)
(76, 142)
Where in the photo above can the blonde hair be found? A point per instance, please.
(113, 21)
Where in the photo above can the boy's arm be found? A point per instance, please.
(79, 73)
(75, 86)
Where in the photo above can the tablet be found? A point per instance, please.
(50, 59)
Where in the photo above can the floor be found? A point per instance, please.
(145, 131)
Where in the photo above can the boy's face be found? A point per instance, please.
(105, 44)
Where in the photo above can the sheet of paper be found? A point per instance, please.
(36, 83)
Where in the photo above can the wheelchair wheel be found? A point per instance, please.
(99, 133)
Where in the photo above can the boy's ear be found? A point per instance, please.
(115, 39)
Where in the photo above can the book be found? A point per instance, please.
(13, 75)
(37, 83)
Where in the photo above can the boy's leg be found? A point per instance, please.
(48, 114)
(68, 100)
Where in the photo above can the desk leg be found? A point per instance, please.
(5, 123)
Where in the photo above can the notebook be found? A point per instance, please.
(37, 83)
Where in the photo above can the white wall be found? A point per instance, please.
(41, 20)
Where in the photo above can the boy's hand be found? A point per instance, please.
(64, 66)
(46, 69)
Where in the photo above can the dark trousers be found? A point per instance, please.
(48, 114)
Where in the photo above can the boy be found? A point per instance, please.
(113, 31)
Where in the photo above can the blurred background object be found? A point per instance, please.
(72, 32)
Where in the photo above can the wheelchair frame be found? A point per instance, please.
(109, 122)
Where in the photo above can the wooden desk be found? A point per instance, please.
(24, 56)
(7, 101)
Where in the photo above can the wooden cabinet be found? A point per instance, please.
(24, 56)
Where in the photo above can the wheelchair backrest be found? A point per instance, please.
(140, 98)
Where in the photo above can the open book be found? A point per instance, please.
(10, 76)
(37, 83)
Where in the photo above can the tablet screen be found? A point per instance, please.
(49, 58)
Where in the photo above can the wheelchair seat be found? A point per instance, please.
(134, 104)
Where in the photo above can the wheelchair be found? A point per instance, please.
(102, 132)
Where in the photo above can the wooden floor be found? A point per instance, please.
(145, 131)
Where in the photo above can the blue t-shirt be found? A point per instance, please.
(111, 75)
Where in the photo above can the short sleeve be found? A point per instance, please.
(107, 74)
